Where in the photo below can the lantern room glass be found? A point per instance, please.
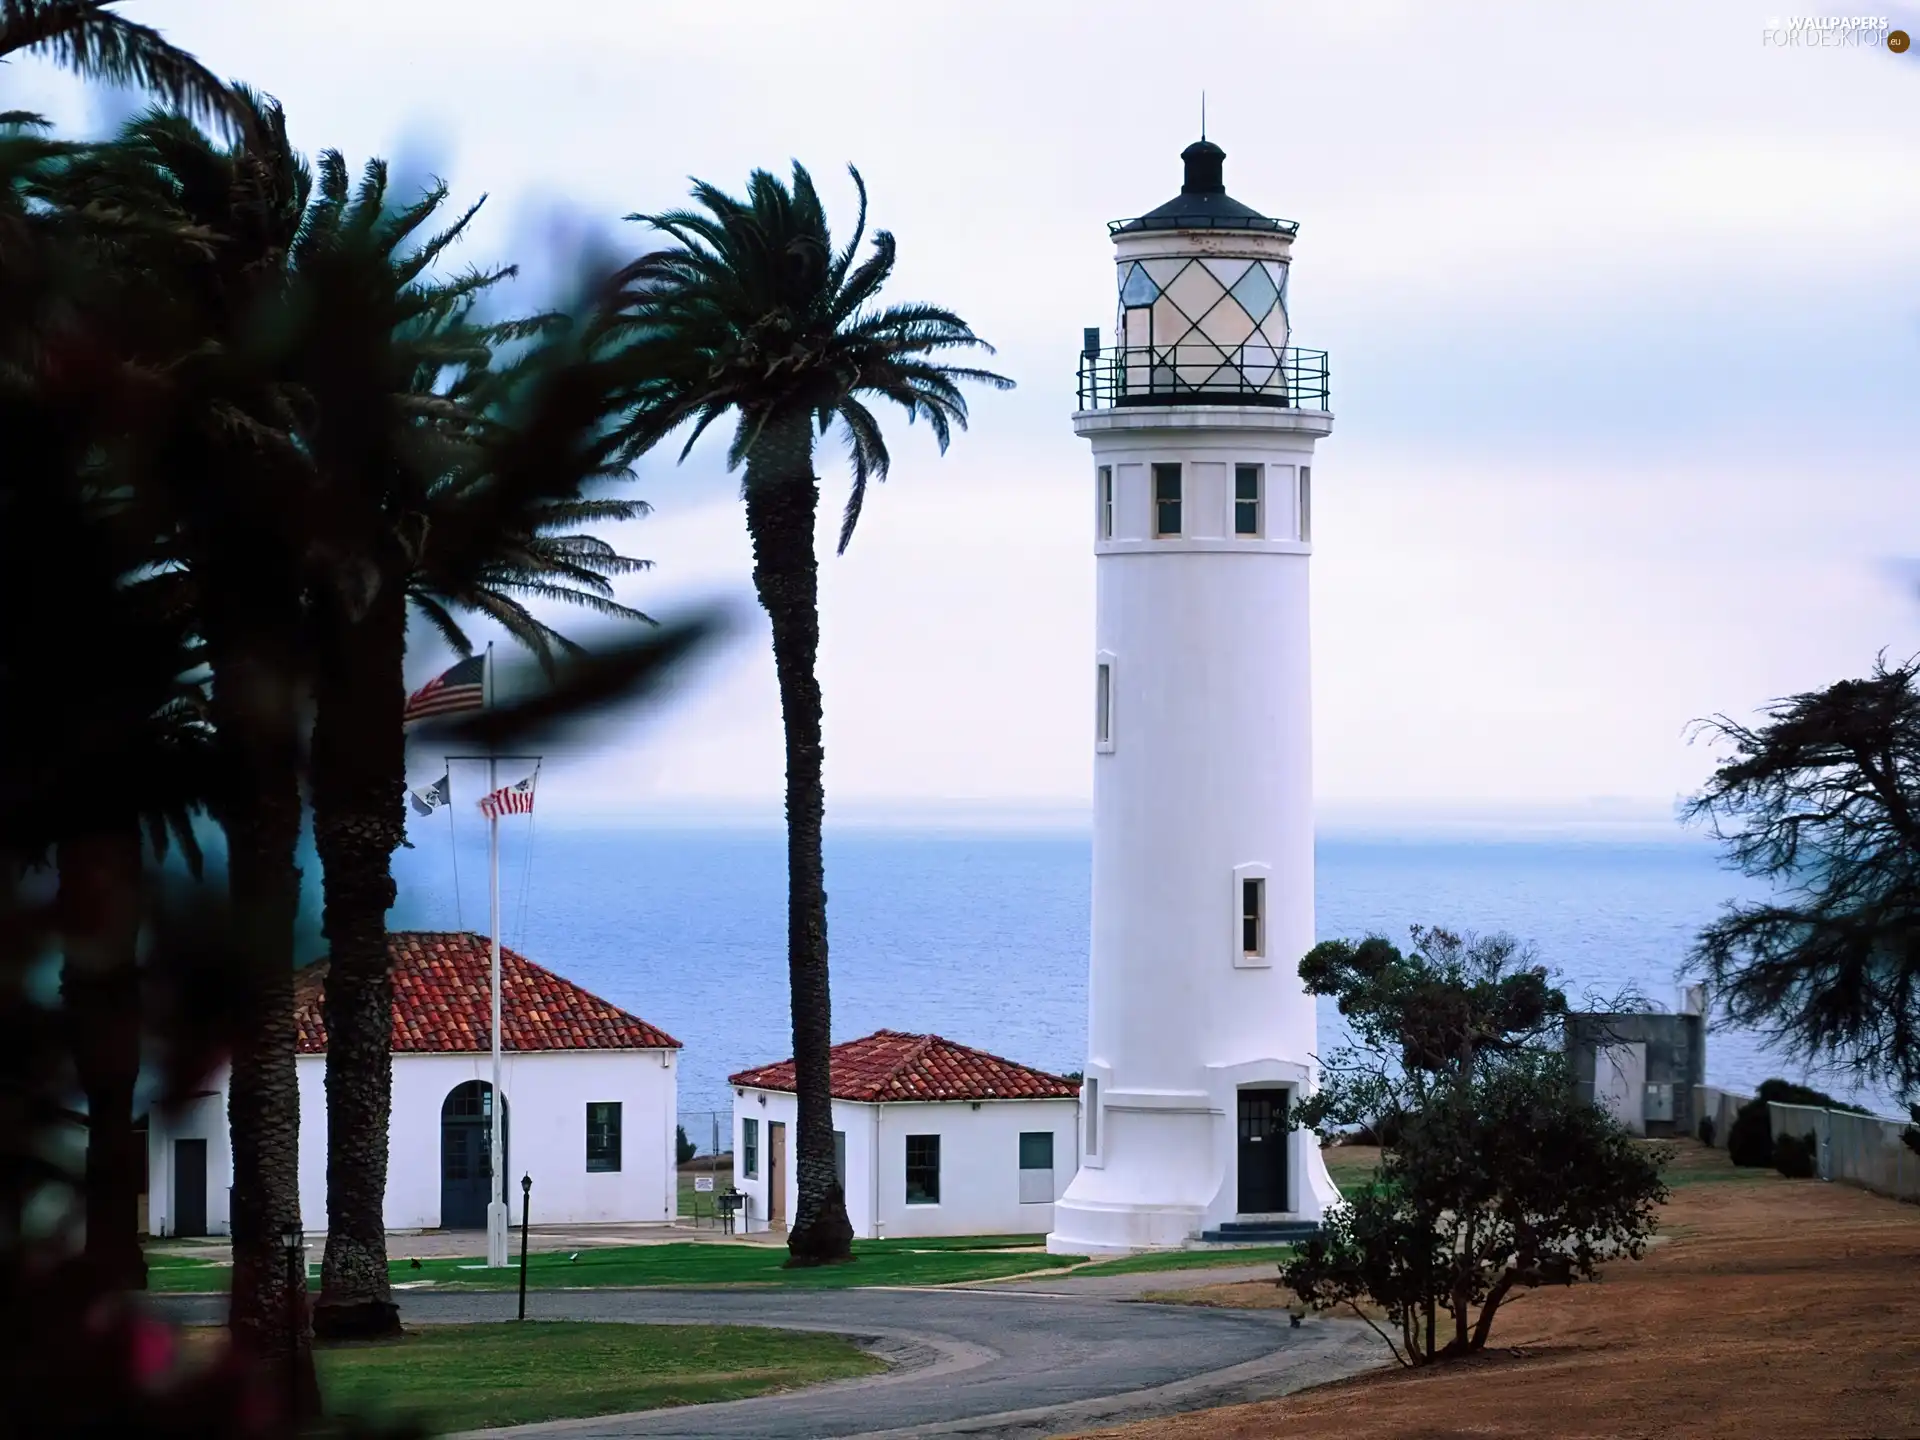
(1203, 323)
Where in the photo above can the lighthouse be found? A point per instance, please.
(1202, 417)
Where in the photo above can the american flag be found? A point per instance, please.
(461, 688)
(510, 800)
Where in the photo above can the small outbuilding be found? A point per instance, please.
(1642, 1067)
(591, 1094)
(930, 1137)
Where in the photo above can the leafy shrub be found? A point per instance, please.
(1794, 1155)
(683, 1148)
(1750, 1137)
(1785, 1092)
(1706, 1131)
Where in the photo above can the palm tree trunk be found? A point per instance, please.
(359, 780)
(256, 717)
(100, 878)
(783, 498)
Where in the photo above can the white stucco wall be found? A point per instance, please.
(1207, 780)
(547, 1096)
(979, 1162)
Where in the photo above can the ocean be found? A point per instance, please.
(983, 937)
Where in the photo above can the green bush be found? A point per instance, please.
(683, 1148)
(1706, 1131)
(1785, 1092)
(1750, 1137)
(1795, 1155)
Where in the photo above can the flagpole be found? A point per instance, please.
(496, 1203)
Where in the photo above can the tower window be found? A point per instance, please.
(1253, 916)
(1306, 502)
(1106, 502)
(1166, 500)
(1246, 500)
(1092, 1102)
(1103, 703)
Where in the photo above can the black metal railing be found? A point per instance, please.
(1202, 375)
(1190, 221)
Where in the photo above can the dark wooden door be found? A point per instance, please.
(1263, 1152)
(776, 1175)
(466, 1144)
(189, 1187)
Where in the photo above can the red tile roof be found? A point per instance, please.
(442, 1003)
(889, 1065)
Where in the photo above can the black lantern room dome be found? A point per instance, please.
(1203, 202)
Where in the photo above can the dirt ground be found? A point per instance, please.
(1773, 1307)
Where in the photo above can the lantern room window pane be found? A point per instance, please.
(1166, 500)
(1246, 500)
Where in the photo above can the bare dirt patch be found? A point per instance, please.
(1776, 1307)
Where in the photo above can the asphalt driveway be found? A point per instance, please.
(965, 1362)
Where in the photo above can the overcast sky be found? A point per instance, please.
(1621, 303)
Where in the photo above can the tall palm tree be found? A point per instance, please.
(93, 40)
(231, 490)
(751, 311)
(392, 373)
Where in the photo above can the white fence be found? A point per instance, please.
(1863, 1150)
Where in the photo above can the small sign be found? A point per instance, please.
(703, 1184)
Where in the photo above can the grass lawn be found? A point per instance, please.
(694, 1203)
(457, 1377)
(185, 1272)
(878, 1262)
(1151, 1261)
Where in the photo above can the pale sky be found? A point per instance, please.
(1621, 303)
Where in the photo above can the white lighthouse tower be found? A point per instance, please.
(1200, 1035)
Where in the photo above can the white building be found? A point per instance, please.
(591, 1096)
(930, 1138)
(1200, 1035)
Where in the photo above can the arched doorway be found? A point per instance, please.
(466, 1140)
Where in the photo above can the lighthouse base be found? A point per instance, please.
(1172, 1171)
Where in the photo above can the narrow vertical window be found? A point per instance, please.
(923, 1169)
(1246, 500)
(1036, 1167)
(1106, 502)
(603, 1135)
(1103, 703)
(1166, 500)
(750, 1149)
(1253, 917)
(1092, 1092)
(1306, 503)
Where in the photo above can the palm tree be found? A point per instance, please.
(91, 39)
(231, 491)
(392, 375)
(752, 311)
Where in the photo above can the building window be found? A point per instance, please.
(1103, 703)
(840, 1160)
(1166, 500)
(1092, 1092)
(1253, 916)
(923, 1169)
(603, 1135)
(750, 1149)
(1306, 503)
(1106, 502)
(1246, 500)
(1036, 1167)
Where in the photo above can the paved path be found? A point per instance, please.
(965, 1362)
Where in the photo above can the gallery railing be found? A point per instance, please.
(1203, 374)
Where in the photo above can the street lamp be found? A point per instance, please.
(293, 1245)
(526, 1205)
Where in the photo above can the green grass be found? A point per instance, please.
(1189, 1260)
(694, 1203)
(185, 1272)
(457, 1377)
(878, 1262)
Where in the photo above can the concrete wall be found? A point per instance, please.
(547, 1095)
(1676, 1055)
(979, 1162)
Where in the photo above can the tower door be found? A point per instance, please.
(1263, 1152)
(189, 1187)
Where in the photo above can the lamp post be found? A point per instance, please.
(526, 1205)
(293, 1245)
